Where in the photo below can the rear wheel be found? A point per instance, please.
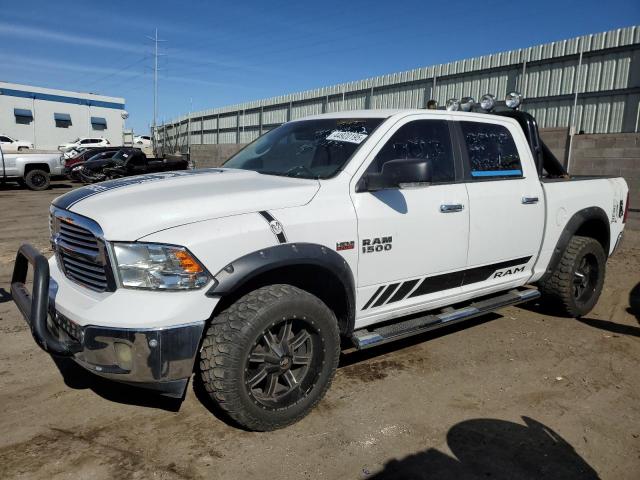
(37, 180)
(579, 276)
(270, 357)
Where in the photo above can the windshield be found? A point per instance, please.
(305, 149)
(121, 155)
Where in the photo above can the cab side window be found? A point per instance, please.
(491, 150)
(423, 139)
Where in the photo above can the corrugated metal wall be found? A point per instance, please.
(608, 86)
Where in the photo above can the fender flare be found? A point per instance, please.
(240, 271)
(575, 222)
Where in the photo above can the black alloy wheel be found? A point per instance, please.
(585, 278)
(283, 363)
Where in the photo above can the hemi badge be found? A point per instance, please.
(345, 245)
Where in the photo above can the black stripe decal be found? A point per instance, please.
(366, 305)
(438, 283)
(269, 218)
(402, 291)
(386, 294)
(69, 199)
(480, 274)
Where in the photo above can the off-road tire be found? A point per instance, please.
(37, 180)
(232, 337)
(561, 284)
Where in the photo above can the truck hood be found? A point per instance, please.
(133, 207)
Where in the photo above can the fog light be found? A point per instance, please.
(124, 355)
(467, 103)
(453, 105)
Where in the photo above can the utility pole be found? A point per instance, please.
(155, 82)
(156, 40)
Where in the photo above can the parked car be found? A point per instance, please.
(142, 141)
(84, 142)
(83, 155)
(33, 170)
(359, 227)
(73, 172)
(125, 163)
(9, 144)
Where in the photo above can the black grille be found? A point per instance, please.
(80, 255)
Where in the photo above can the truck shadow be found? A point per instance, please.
(491, 448)
(5, 296)
(611, 326)
(351, 357)
(77, 378)
(634, 302)
(14, 186)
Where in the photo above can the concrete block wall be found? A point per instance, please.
(601, 154)
(610, 154)
(207, 156)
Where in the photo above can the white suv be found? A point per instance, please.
(142, 140)
(12, 145)
(84, 142)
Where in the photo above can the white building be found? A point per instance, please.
(48, 117)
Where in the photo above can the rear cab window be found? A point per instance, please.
(491, 151)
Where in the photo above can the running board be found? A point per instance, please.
(366, 338)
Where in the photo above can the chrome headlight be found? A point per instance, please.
(156, 266)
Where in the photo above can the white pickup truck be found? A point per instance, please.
(33, 170)
(356, 227)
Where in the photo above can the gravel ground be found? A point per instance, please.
(517, 394)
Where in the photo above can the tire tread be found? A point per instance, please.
(218, 355)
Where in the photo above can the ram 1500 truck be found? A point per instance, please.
(360, 227)
(33, 170)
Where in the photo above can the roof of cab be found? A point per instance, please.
(399, 113)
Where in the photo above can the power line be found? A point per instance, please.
(117, 72)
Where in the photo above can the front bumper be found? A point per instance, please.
(160, 358)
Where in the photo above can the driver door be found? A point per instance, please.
(412, 241)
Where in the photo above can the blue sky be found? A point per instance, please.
(218, 53)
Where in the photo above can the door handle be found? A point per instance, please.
(451, 207)
(529, 200)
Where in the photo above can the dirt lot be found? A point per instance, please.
(519, 394)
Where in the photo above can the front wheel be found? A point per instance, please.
(578, 278)
(37, 180)
(269, 358)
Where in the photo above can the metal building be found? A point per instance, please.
(603, 68)
(48, 117)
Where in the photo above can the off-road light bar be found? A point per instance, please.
(467, 104)
(513, 100)
(453, 105)
(487, 102)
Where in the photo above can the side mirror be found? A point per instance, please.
(397, 174)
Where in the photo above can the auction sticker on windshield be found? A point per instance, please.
(351, 137)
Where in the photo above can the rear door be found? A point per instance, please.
(505, 200)
(412, 241)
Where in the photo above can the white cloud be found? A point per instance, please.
(7, 29)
